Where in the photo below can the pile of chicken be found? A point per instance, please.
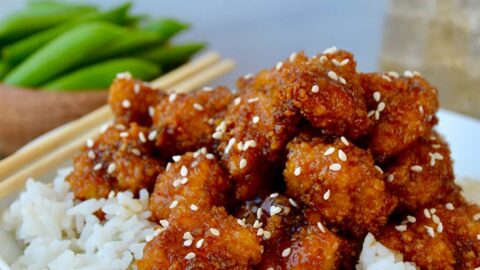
(289, 171)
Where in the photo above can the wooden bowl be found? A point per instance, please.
(27, 113)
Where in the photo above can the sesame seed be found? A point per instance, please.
(329, 151)
(267, 235)
(297, 171)
(411, 219)
(292, 202)
(342, 80)
(124, 134)
(207, 88)
(111, 168)
(433, 210)
(91, 154)
(257, 224)
(344, 141)
(255, 119)
(320, 226)
(243, 163)
(214, 231)
(416, 168)
(377, 115)
(97, 167)
(152, 135)
(190, 256)
(230, 143)
(335, 62)
(393, 74)
(142, 138)
(286, 252)
(184, 180)
(275, 210)
(136, 152)
(315, 89)
(476, 217)
(173, 204)
(440, 228)
(274, 195)
(187, 235)
(193, 207)
(416, 73)
(279, 65)
(436, 146)
(176, 182)
(271, 268)
(172, 97)
(260, 232)
(124, 75)
(377, 96)
(293, 56)
(427, 213)
(188, 242)
(335, 167)
(478, 236)
(449, 206)
(248, 76)
(252, 100)
(136, 88)
(183, 171)
(164, 223)
(199, 243)
(104, 128)
(386, 78)
(126, 103)
(341, 155)
(435, 219)
(378, 169)
(176, 158)
(209, 156)
(326, 195)
(401, 228)
(90, 143)
(420, 109)
(120, 127)
(151, 111)
(370, 113)
(332, 75)
(248, 144)
(197, 107)
(323, 59)
(259, 213)
(381, 106)
(111, 194)
(408, 74)
(430, 231)
(390, 178)
(241, 222)
(330, 50)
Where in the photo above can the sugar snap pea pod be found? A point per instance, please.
(70, 50)
(100, 75)
(171, 56)
(20, 50)
(166, 27)
(4, 69)
(34, 19)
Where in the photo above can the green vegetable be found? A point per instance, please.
(19, 51)
(70, 50)
(4, 69)
(172, 56)
(167, 28)
(100, 76)
(38, 17)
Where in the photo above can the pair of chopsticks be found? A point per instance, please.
(45, 155)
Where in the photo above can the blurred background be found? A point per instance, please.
(438, 38)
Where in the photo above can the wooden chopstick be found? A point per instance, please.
(71, 130)
(50, 161)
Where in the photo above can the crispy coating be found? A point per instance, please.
(403, 109)
(256, 128)
(133, 101)
(421, 174)
(203, 184)
(440, 238)
(117, 160)
(235, 247)
(185, 122)
(327, 91)
(340, 182)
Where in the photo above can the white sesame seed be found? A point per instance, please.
(323, 59)
(435, 219)
(381, 106)
(390, 178)
(274, 195)
(427, 213)
(197, 107)
(341, 155)
(292, 202)
(91, 154)
(411, 219)
(187, 242)
(342, 80)
(377, 96)
(335, 167)
(433, 210)
(172, 97)
(275, 210)
(199, 243)
(408, 74)
(332, 75)
(255, 119)
(124, 134)
(207, 88)
(401, 228)
(293, 56)
(111, 194)
(190, 256)
(230, 143)
(164, 223)
(436, 146)
(136, 152)
(151, 111)
(248, 76)
(241, 222)
(253, 100)
(393, 74)
(315, 88)
(257, 224)
(248, 144)
(136, 88)
(176, 158)
(184, 180)
(335, 62)
(183, 171)
(449, 206)
(420, 109)
(152, 135)
(260, 232)
(90, 143)
(126, 103)
(173, 204)
(320, 226)
(478, 236)
(416, 168)
(279, 65)
(297, 171)
(187, 235)
(267, 235)
(286, 252)
(370, 113)
(329, 151)
(430, 231)
(104, 128)
(237, 101)
(259, 213)
(193, 207)
(214, 232)
(326, 195)
(440, 227)
(97, 167)
(378, 169)
(271, 268)
(243, 163)
(330, 50)
(111, 168)
(210, 156)
(476, 217)
(377, 115)
(176, 182)
(386, 78)
(142, 137)
(344, 141)
(120, 127)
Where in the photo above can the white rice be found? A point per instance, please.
(59, 232)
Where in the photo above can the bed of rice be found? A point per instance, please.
(57, 232)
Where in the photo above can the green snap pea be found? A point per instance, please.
(81, 45)
(20, 50)
(167, 28)
(171, 56)
(100, 76)
(37, 18)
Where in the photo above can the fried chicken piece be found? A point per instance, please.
(209, 239)
(133, 101)
(340, 182)
(327, 91)
(256, 128)
(403, 109)
(441, 237)
(196, 181)
(185, 122)
(421, 174)
(119, 159)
